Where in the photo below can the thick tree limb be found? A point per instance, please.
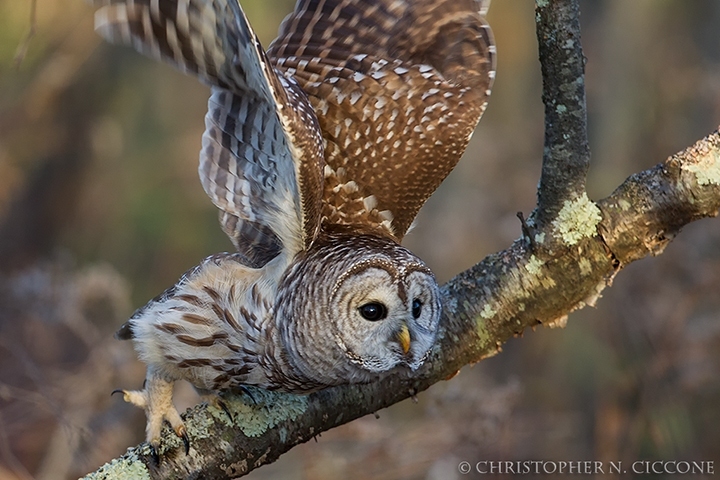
(578, 247)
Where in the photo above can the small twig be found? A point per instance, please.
(527, 232)
(22, 49)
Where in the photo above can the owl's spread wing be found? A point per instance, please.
(398, 87)
(261, 161)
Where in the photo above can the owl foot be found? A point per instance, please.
(156, 399)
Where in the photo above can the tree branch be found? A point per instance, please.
(578, 247)
(566, 156)
(484, 307)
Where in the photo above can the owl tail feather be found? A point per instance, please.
(125, 332)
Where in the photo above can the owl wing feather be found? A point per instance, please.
(398, 87)
(261, 161)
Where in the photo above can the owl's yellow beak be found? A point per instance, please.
(403, 337)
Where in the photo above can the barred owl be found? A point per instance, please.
(319, 154)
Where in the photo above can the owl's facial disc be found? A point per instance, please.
(390, 315)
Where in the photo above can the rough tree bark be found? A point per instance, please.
(570, 250)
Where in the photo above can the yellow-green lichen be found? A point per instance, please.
(547, 282)
(585, 266)
(540, 237)
(271, 409)
(534, 268)
(534, 265)
(487, 312)
(706, 169)
(125, 468)
(482, 333)
(198, 424)
(577, 219)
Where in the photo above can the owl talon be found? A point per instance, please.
(247, 392)
(214, 399)
(186, 440)
(223, 405)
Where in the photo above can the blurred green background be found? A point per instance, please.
(101, 209)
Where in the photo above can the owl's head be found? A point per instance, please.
(365, 306)
(386, 311)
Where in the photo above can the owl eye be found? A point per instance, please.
(416, 308)
(373, 311)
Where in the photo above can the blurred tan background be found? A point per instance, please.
(101, 209)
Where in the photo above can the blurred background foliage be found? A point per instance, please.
(101, 209)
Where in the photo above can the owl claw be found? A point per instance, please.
(214, 399)
(186, 440)
(247, 392)
(225, 408)
(156, 399)
(139, 398)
